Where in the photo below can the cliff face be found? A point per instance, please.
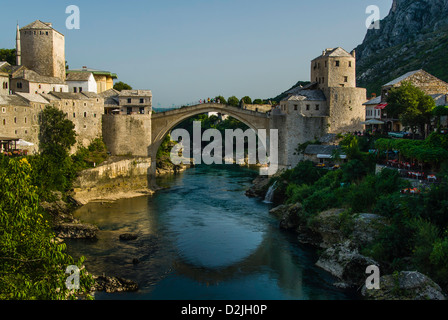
(413, 36)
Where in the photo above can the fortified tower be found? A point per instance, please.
(43, 49)
(334, 72)
(330, 104)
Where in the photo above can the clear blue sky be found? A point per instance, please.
(185, 50)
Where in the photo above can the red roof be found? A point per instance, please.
(381, 106)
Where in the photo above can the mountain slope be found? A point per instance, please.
(413, 36)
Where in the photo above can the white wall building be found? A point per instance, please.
(81, 82)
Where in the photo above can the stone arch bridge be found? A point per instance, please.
(142, 135)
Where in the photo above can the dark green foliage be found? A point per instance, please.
(246, 100)
(90, 157)
(32, 262)
(233, 101)
(120, 86)
(8, 55)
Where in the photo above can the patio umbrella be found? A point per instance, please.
(372, 121)
(23, 143)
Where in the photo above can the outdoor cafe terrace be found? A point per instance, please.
(411, 170)
(13, 147)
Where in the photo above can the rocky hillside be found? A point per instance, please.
(413, 36)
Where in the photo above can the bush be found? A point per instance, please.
(33, 263)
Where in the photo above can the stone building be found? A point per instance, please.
(42, 49)
(4, 77)
(428, 83)
(81, 82)
(127, 102)
(19, 115)
(330, 104)
(419, 78)
(29, 81)
(104, 79)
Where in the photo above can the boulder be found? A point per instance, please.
(290, 216)
(405, 285)
(327, 225)
(335, 228)
(258, 188)
(367, 227)
(75, 231)
(113, 284)
(128, 236)
(345, 262)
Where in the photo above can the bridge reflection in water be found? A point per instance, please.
(203, 239)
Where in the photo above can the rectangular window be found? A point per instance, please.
(142, 110)
(295, 107)
(345, 79)
(317, 107)
(129, 100)
(75, 90)
(308, 107)
(142, 100)
(350, 64)
(80, 89)
(129, 111)
(337, 63)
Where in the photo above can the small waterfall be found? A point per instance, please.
(270, 194)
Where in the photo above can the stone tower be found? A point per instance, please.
(334, 68)
(335, 74)
(43, 49)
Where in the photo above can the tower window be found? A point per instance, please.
(85, 114)
(350, 64)
(317, 107)
(345, 79)
(295, 107)
(308, 107)
(337, 63)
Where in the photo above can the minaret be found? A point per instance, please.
(18, 47)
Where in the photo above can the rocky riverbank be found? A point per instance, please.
(339, 238)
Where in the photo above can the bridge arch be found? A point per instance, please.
(163, 123)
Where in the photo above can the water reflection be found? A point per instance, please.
(202, 239)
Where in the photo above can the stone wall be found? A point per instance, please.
(127, 134)
(113, 180)
(346, 109)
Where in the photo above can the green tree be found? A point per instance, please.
(32, 262)
(120, 86)
(246, 100)
(233, 101)
(412, 106)
(221, 99)
(8, 55)
(53, 169)
(258, 101)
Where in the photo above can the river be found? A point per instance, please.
(201, 238)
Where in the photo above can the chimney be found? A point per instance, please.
(84, 68)
(373, 95)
